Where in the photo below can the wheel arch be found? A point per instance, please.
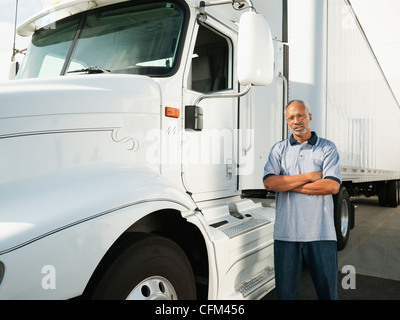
(169, 224)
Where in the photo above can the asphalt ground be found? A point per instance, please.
(372, 252)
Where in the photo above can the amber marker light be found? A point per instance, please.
(172, 112)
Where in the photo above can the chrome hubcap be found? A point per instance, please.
(153, 288)
(344, 218)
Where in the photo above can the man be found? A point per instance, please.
(304, 170)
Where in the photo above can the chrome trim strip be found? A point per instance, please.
(88, 219)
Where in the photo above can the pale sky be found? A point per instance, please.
(7, 14)
(378, 17)
(380, 22)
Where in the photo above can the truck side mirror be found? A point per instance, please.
(255, 50)
(13, 69)
(193, 118)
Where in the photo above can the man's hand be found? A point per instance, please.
(314, 176)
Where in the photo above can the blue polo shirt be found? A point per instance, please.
(303, 217)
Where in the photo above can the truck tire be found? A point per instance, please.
(382, 194)
(398, 192)
(147, 267)
(343, 217)
(392, 189)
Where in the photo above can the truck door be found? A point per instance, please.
(208, 155)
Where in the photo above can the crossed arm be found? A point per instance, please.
(309, 183)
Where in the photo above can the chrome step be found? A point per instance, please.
(236, 228)
(250, 285)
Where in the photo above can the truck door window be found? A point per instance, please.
(210, 62)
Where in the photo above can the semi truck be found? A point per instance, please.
(134, 135)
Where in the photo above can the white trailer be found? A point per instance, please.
(329, 62)
(325, 58)
(134, 138)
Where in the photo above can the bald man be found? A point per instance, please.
(304, 171)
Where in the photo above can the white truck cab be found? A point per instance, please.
(123, 139)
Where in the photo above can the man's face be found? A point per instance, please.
(299, 120)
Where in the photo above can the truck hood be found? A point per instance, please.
(56, 123)
(63, 142)
(79, 94)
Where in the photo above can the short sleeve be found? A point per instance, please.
(331, 165)
(273, 165)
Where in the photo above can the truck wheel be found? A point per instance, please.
(342, 216)
(392, 189)
(147, 267)
(382, 194)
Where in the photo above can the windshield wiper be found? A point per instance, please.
(91, 70)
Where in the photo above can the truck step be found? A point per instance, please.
(252, 284)
(237, 228)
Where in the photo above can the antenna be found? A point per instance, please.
(15, 31)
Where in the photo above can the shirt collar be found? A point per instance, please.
(312, 141)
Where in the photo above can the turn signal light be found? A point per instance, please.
(171, 112)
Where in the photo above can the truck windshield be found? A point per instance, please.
(133, 39)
